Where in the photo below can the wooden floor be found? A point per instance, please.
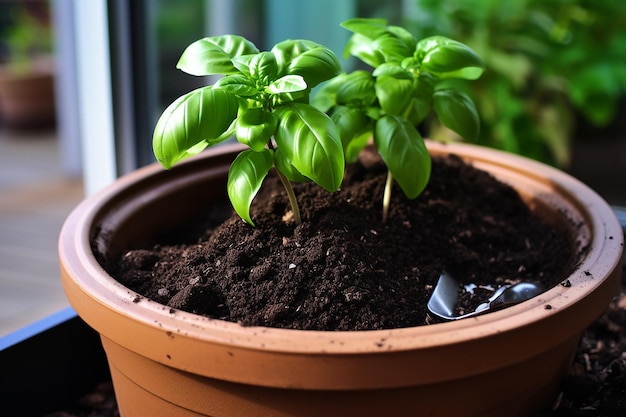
(35, 197)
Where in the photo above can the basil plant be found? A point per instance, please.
(389, 103)
(263, 100)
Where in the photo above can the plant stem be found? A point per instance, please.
(292, 197)
(387, 196)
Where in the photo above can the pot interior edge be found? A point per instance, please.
(134, 217)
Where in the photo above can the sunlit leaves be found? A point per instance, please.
(179, 131)
(314, 62)
(261, 98)
(213, 55)
(287, 84)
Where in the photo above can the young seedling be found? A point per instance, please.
(263, 100)
(408, 80)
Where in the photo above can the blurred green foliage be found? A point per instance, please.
(548, 62)
(25, 33)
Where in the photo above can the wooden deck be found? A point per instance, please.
(35, 198)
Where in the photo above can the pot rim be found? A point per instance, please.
(352, 359)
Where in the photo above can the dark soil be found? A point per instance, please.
(342, 268)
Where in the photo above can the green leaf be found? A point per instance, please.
(423, 94)
(314, 62)
(394, 95)
(213, 55)
(356, 89)
(255, 127)
(286, 51)
(234, 45)
(371, 28)
(204, 114)
(448, 58)
(287, 84)
(357, 144)
(392, 48)
(242, 64)
(375, 43)
(238, 85)
(352, 124)
(407, 37)
(392, 70)
(284, 165)
(263, 67)
(311, 141)
(364, 49)
(457, 111)
(245, 177)
(325, 95)
(403, 150)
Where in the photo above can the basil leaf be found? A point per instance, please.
(403, 150)
(263, 67)
(255, 127)
(363, 48)
(201, 115)
(392, 70)
(352, 124)
(423, 93)
(315, 65)
(356, 89)
(392, 48)
(287, 51)
(287, 84)
(457, 111)
(234, 45)
(407, 37)
(245, 176)
(394, 95)
(448, 58)
(213, 55)
(284, 165)
(311, 141)
(238, 85)
(370, 28)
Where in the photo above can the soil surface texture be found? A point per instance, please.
(343, 268)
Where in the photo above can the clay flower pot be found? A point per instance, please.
(27, 98)
(166, 362)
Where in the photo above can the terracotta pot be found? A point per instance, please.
(166, 362)
(27, 99)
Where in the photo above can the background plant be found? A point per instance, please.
(26, 34)
(262, 99)
(407, 82)
(547, 63)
